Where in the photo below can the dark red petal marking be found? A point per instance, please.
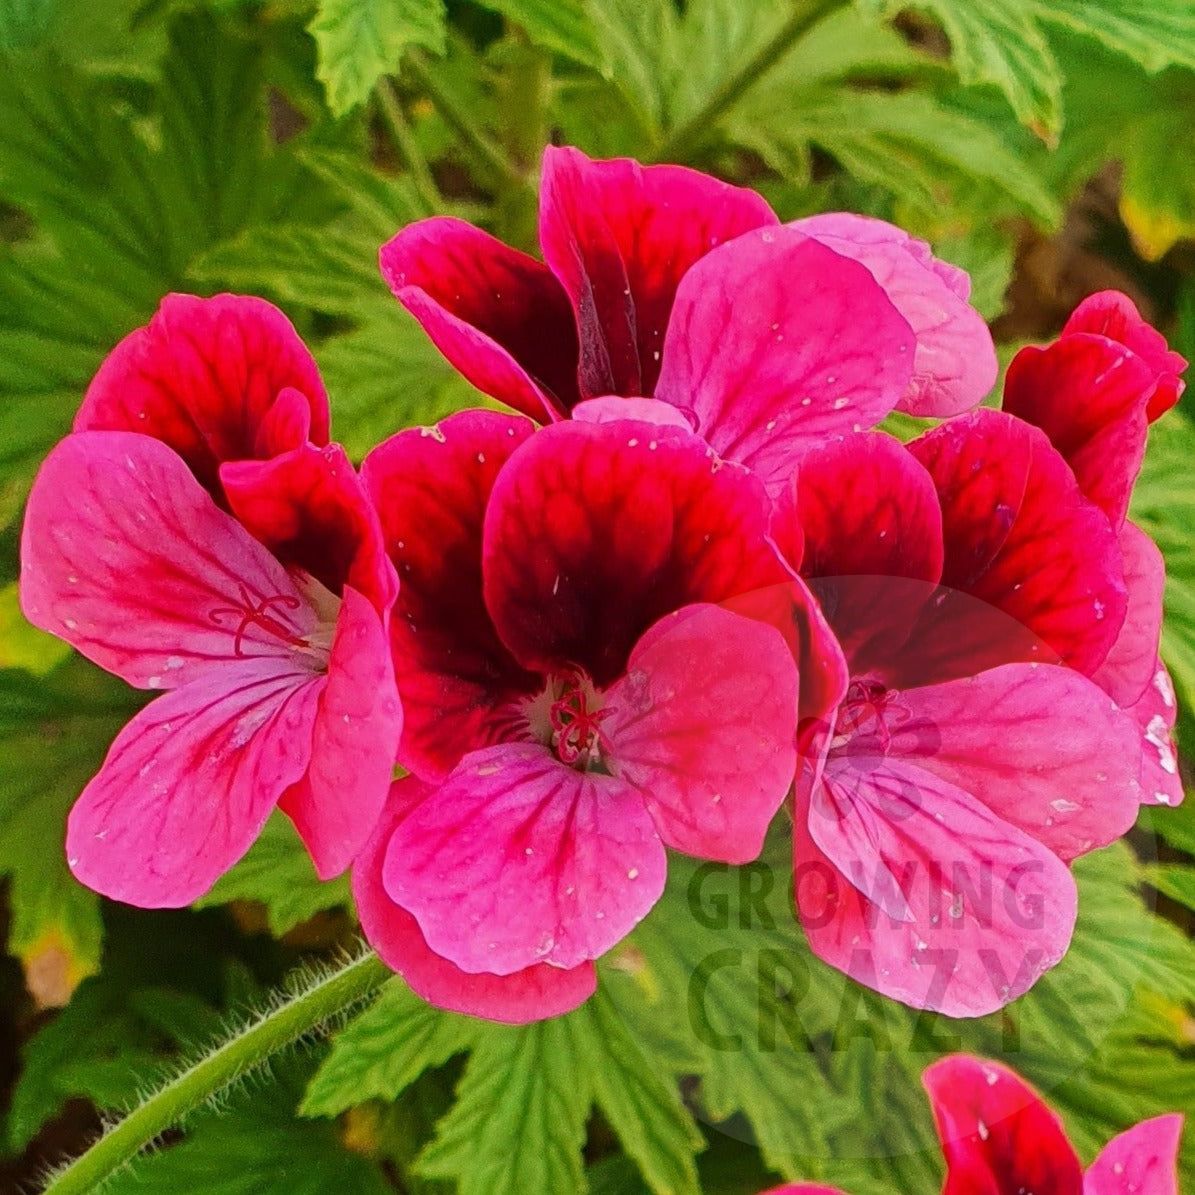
(309, 507)
(203, 376)
(1034, 567)
(431, 487)
(620, 237)
(498, 315)
(595, 531)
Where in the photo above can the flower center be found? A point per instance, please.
(567, 716)
(270, 615)
(865, 713)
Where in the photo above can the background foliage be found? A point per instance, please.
(270, 146)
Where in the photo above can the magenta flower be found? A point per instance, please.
(970, 584)
(1094, 392)
(662, 283)
(581, 689)
(267, 626)
(1000, 1138)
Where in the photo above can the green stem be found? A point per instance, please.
(688, 136)
(525, 91)
(408, 150)
(330, 994)
(488, 158)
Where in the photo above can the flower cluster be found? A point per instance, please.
(1000, 1138)
(677, 584)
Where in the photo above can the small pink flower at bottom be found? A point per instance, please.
(1000, 1138)
(266, 626)
(579, 695)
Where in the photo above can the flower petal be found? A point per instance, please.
(309, 508)
(1041, 746)
(595, 531)
(868, 518)
(998, 1135)
(431, 488)
(202, 376)
(620, 237)
(1155, 713)
(955, 363)
(356, 733)
(190, 781)
(704, 727)
(611, 409)
(126, 557)
(1089, 395)
(498, 315)
(777, 343)
(518, 859)
(1035, 565)
(1130, 665)
(1141, 1161)
(1112, 314)
(529, 995)
(913, 887)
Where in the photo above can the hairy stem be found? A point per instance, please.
(329, 994)
(688, 136)
(408, 150)
(487, 156)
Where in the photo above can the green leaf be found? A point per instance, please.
(257, 1146)
(23, 645)
(54, 732)
(518, 1125)
(359, 41)
(1154, 33)
(278, 873)
(1000, 42)
(23, 23)
(123, 202)
(1175, 880)
(1157, 201)
(1164, 506)
(384, 1050)
(642, 1104)
(908, 143)
(564, 26)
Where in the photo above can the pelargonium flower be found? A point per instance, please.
(188, 537)
(1000, 1138)
(971, 585)
(1094, 392)
(662, 283)
(581, 689)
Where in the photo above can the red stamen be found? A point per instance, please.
(258, 613)
(577, 728)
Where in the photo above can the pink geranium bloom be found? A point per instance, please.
(1000, 1138)
(200, 544)
(662, 283)
(1094, 392)
(581, 690)
(966, 765)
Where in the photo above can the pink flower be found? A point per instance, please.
(659, 282)
(267, 626)
(1094, 392)
(1000, 1138)
(965, 766)
(580, 691)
